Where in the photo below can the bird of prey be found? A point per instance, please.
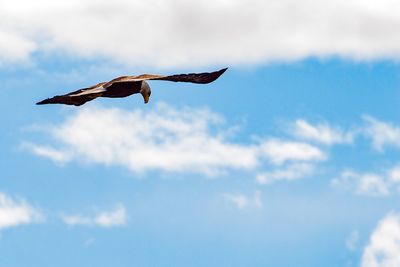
(127, 85)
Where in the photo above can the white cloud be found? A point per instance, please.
(289, 172)
(369, 184)
(116, 217)
(394, 174)
(47, 152)
(15, 47)
(111, 218)
(382, 133)
(165, 139)
(383, 249)
(242, 201)
(14, 212)
(178, 32)
(321, 133)
(278, 151)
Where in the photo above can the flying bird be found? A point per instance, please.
(127, 85)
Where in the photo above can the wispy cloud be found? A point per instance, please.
(176, 32)
(374, 183)
(193, 140)
(279, 151)
(47, 152)
(111, 218)
(116, 217)
(382, 133)
(383, 249)
(14, 212)
(321, 133)
(379, 184)
(241, 201)
(165, 139)
(290, 172)
(394, 175)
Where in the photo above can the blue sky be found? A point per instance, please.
(289, 159)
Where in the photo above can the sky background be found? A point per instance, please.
(289, 159)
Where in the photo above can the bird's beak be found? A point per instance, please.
(146, 99)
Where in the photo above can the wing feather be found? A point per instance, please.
(76, 98)
(202, 78)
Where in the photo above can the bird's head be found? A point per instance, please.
(145, 91)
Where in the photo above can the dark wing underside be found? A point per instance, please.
(202, 78)
(76, 98)
(121, 89)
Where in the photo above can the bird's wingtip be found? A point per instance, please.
(220, 72)
(43, 102)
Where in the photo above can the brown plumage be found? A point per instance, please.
(127, 85)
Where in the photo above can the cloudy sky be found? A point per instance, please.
(291, 158)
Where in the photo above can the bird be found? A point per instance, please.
(127, 85)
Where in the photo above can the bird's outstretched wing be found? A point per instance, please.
(78, 97)
(202, 78)
(205, 77)
(82, 96)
